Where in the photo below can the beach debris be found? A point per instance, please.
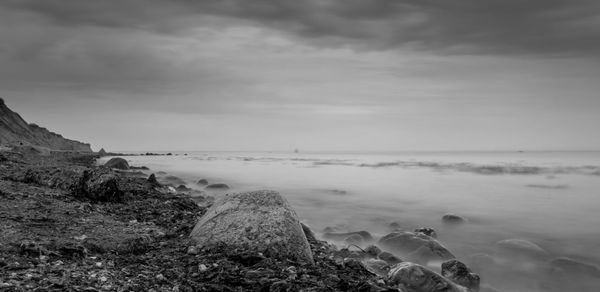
(269, 225)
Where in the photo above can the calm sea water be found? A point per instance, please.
(549, 198)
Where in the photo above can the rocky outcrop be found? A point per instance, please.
(15, 131)
(520, 247)
(259, 222)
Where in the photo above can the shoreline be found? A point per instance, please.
(55, 241)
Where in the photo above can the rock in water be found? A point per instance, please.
(521, 247)
(453, 219)
(102, 152)
(366, 236)
(416, 278)
(460, 274)
(260, 221)
(427, 231)
(416, 246)
(118, 163)
(576, 267)
(202, 182)
(217, 187)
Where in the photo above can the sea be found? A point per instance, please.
(548, 198)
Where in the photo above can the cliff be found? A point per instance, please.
(15, 131)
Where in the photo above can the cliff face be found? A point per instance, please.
(14, 131)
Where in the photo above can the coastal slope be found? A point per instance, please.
(14, 130)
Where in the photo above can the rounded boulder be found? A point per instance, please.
(259, 221)
(118, 163)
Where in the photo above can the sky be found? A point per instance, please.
(318, 75)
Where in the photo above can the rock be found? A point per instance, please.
(416, 278)
(372, 250)
(310, 236)
(354, 239)
(172, 180)
(258, 222)
(377, 267)
(520, 247)
(389, 258)
(460, 274)
(118, 163)
(453, 219)
(98, 186)
(420, 247)
(152, 179)
(217, 187)
(202, 182)
(102, 152)
(572, 266)
(342, 236)
(193, 250)
(427, 231)
(182, 188)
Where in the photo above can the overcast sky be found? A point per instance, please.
(349, 75)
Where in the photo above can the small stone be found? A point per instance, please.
(202, 268)
(160, 277)
(103, 279)
(99, 264)
(193, 250)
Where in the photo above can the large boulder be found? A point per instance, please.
(415, 246)
(97, 185)
(365, 235)
(260, 221)
(416, 278)
(118, 163)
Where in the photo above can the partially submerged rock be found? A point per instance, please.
(202, 182)
(152, 179)
(416, 278)
(427, 231)
(365, 235)
(576, 267)
(217, 187)
(460, 274)
(453, 219)
(521, 247)
(118, 163)
(415, 246)
(260, 221)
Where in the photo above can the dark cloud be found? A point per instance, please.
(564, 27)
